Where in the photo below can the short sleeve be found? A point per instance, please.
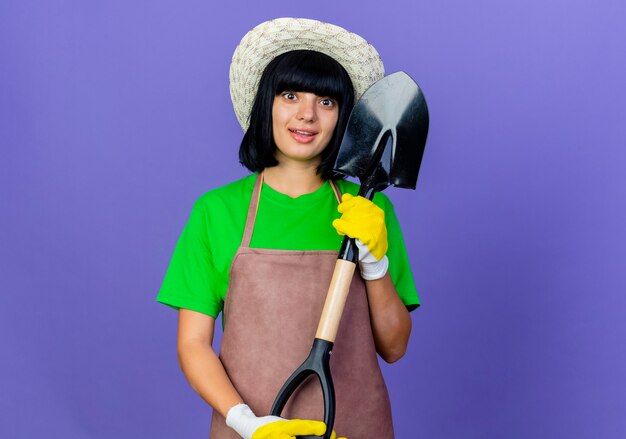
(399, 266)
(191, 279)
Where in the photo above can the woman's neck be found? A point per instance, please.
(293, 180)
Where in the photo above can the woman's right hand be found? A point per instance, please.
(241, 419)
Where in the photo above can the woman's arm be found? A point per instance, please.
(391, 323)
(200, 363)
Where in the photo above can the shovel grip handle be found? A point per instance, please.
(317, 363)
(335, 300)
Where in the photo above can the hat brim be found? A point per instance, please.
(275, 37)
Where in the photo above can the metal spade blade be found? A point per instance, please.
(385, 137)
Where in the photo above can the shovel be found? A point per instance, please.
(382, 146)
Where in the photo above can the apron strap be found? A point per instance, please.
(336, 190)
(254, 207)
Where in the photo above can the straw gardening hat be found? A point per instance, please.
(275, 37)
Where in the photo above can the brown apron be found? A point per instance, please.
(272, 308)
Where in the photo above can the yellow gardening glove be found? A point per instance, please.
(290, 429)
(365, 221)
(249, 426)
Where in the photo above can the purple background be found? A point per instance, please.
(115, 116)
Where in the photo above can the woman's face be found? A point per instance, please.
(303, 125)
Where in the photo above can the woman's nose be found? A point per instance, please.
(306, 109)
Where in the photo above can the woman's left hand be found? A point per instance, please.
(365, 221)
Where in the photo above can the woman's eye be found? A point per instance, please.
(327, 102)
(289, 95)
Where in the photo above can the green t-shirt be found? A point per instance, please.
(198, 275)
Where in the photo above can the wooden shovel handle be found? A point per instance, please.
(335, 300)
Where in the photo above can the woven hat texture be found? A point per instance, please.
(275, 37)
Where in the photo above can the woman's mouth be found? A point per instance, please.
(302, 136)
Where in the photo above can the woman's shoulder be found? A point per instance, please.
(234, 193)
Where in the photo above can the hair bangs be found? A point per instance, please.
(312, 72)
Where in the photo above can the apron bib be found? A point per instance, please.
(273, 305)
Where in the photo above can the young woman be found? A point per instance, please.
(262, 249)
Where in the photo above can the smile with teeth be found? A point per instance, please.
(304, 133)
(302, 136)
